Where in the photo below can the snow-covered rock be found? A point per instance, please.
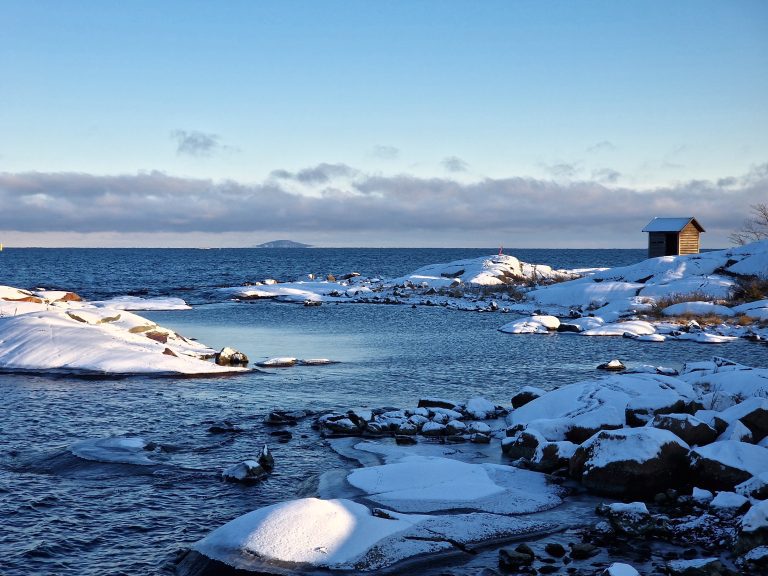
(527, 326)
(480, 408)
(723, 465)
(484, 271)
(278, 362)
(634, 327)
(525, 395)
(576, 411)
(344, 535)
(620, 569)
(754, 527)
(686, 427)
(728, 503)
(631, 461)
(755, 487)
(633, 518)
(100, 340)
(246, 471)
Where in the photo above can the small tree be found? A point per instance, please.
(755, 228)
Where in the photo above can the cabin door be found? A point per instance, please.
(670, 241)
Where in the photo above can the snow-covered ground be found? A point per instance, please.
(593, 302)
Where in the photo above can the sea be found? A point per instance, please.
(61, 514)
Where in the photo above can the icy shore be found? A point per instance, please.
(688, 452)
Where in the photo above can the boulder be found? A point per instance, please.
(728, 504)
(631, 462)
(455, 427)
(583, 550)
(755, 561)
(226, 357)
(437, 403)
(280, 362)
(513, 561)
(338, 425)
(527, 394)
(688, 428)
(523, 444)
(576, 411)
(632, 519)
(753, 413)
(620, 569)
(433, 429)
(754, 528)
(480, 409)
(246, 472)
(614, 365)
(723, 465)
(736, 431)
(755, 487)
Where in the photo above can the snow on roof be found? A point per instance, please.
(671, 224)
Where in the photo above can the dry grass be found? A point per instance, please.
(750, 289)
(701, 319)
(659, 305)
(744, 320)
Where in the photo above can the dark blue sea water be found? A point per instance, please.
(63, 515)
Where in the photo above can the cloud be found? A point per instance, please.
(385, 152)
(320, 174)
(380, 210)
(198, 144)
(454, 164)
(602, 146)
(606, 175)
(561, 169)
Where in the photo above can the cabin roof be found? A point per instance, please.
(671, 224)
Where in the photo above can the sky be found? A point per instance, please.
(450, 123)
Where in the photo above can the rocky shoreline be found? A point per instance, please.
(682, 460)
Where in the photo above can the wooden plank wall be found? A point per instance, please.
(689, 240)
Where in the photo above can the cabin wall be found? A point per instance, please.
(689, 240)
(657, 244)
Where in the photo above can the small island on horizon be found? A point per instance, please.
(283, 244)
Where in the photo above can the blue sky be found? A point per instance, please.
(641, 97)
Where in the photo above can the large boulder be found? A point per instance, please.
(754, 528)
(575, 412)
(632, 519)
(228, 357)
(689, 429)
(526, 394)
(723, 465)
(541, 454)
(753, 413)
(631, 462)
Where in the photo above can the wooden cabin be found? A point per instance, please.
(673, 236)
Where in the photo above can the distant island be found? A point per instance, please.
(283, 244)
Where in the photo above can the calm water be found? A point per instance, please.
(64, 515)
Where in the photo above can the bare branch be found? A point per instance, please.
(755, 228)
